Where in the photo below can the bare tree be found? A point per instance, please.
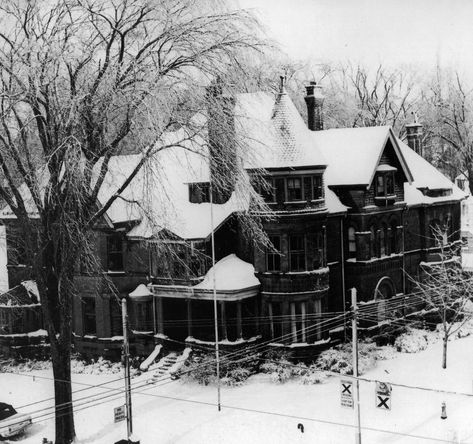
(80, 82)
(446, 289)
(451, 103)
(370, 98)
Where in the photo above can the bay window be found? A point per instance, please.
(297, 253)
(294, 189)
(317, 188)
(273, 258)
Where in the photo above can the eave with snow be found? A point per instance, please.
(349, 207)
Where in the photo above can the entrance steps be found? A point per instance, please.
(169, 365)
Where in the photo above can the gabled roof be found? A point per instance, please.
(353, 154)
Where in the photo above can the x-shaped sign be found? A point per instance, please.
(382, 402)
(346, 388)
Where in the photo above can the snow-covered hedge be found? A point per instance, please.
(339, 359)
(413, 341)
(281, 370)
(202, 369)
(95, 367)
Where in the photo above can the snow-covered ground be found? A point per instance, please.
(265, 412)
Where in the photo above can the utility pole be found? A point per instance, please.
(126, 358)
(214, 285)
(355, 364)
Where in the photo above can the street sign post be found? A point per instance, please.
(383, 395)
(346, 393)
(119, 413)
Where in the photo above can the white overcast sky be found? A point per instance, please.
(391, 32)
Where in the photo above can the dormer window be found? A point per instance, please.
(267, 190)
(294, 189)
(317, 188)
(384, 182)
(199, 192)
(385, 185)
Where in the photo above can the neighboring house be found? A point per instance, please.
(466, 216)
(351, 207)
(20, 319)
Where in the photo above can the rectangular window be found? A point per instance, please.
(385, 184)
(116, 327)
(390, 184)
(351, 242)
(317, 190)
(199, 192)
(267, 190)
(88, 316)
(115, 252)
(297, 253)
(380, 185)
(294, 189)
(273, 259)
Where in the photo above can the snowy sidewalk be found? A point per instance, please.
(161, 417)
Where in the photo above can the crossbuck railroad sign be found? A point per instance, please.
(346, 393)
(383, 395)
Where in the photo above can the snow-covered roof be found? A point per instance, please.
(230, 273)
(140, 291)
(353, 154)
(426, 176)
(274, 132)
(332, 202)
(165, 195)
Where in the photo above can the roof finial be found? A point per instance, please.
(414, 116)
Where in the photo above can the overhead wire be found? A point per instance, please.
(230, 355)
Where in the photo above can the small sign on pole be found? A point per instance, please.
(119, 413)
(383, 395)
(346, 393)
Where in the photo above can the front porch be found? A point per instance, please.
(180, 313)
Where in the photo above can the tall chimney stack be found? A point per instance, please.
(315, 101)
(414, 135)
(222, 141)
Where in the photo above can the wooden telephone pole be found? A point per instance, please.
(355, 364)
(126, 358)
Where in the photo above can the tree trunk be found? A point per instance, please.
(61, 357)
(444, 354)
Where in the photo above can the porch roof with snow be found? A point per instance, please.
(234, 279)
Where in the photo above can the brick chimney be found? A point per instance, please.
(414, 135)
(222, 140)
(315, 101)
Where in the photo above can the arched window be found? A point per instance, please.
(383, 239)
(351, 242)
(393, 237)
(372, 241)
(384, 290)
